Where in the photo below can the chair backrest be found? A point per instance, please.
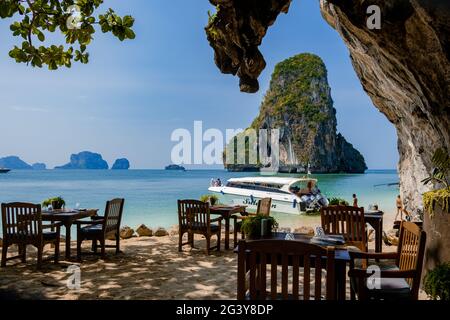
(113, 215)
(345, 220)
(411, 250)
(286, 257)
(21, 222)
(193, 212)
(264, 206)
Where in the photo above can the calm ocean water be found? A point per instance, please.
(151, 195)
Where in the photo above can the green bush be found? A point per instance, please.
(338, 202)
(49, 202)
(211, 198)
(437, 282)
(251, 226)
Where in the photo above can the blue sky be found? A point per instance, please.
(131, 96)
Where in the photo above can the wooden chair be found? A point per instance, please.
(347, 221)
(194, 218)
(264, 206)
(102, 228)
(22, 225)
(399, 281)
(253, 273)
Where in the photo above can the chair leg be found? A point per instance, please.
(23, 253)
(79, 241)
(94, 246)
(191, 239)
(208, 244)
(57, 251)
(102, 244)
(40, 252)
(117, 244)
(218, 240)
(4, 253)
(180, 241)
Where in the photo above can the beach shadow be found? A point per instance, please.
(148, 268)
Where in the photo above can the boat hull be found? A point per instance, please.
(281, 203)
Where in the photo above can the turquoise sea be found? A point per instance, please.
(151, 195)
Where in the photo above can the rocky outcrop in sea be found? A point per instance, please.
(15, 163)
(299, 104)
(39, 166)
(121, 164)
(85, 160)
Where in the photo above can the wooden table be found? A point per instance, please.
(67, 218)
(227, 212)
(375, 219)
(342, 258)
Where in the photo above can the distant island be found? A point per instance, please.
(85, 160)
(121, 164)
(175, 167)
(15, 163)
(39, 166)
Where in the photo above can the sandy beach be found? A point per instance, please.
(148, 268)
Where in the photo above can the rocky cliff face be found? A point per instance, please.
(299, 104)
(404, 67)
(85, 160)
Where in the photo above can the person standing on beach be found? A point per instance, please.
(399, 204)
(355, 201)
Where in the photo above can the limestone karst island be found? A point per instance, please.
(223, 153)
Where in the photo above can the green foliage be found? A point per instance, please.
(437, 282)
(441, 171)
(59, 200)
(291, 91)
(338, 202)
(211, 198)
(38, 18)
(440, 175)
(436, 198)
(251, 225)
(211, 29)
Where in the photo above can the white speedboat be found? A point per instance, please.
(289, 195)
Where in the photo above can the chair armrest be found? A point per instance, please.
(362, 273)
(52, 225)
(367, 255)
(219, 219)
(96, 218)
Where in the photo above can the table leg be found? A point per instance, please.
(68, 240)
(341, 281)
(227, 233)
(379, 237)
